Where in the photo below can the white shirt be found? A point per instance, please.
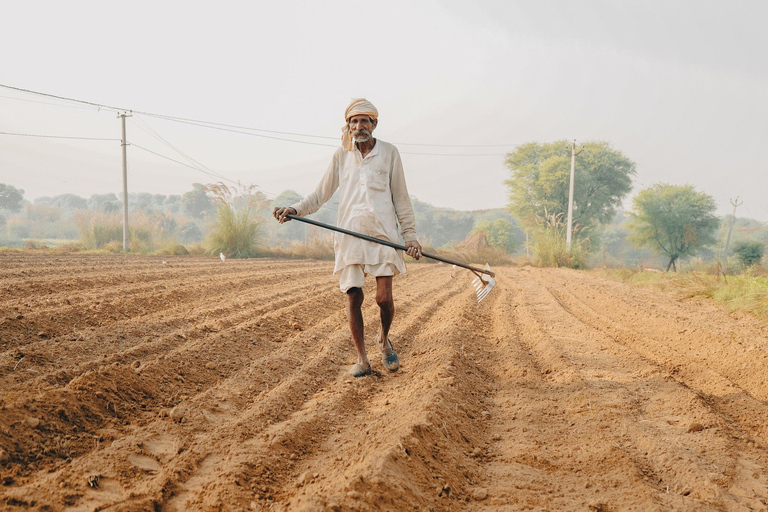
(373, 200)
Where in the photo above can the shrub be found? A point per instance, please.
(98, 229)
(236, 227)
(550, 245)
(173, 250)
(749, 252)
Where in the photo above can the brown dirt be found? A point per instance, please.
(127, 384)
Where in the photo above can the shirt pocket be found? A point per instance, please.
(378, 179)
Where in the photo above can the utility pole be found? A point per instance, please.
(570, 198)
(735, 204)
(125, 184)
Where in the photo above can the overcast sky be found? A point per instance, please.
(679, 87)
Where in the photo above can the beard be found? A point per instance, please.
(362, 136)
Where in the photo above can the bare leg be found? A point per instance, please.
(355, 315)
(386, 305)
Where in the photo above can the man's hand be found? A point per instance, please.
(280, 213)
(414, 249)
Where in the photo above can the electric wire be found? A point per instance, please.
(330, 206)
(184, 164)
(58, 136)
(47, 103)
(153, 133)
(98, 105)
(239, 129)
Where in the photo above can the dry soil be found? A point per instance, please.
(134, 384)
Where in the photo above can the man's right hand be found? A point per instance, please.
(280, 213)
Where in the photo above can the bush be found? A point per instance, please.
(97, 229)
(550, 245)
(19, 227)
(236, 228)
(173, 250)
(749, 252)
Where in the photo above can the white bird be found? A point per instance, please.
(165, 262)
(221, 255)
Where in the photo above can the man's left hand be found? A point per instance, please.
(414, 249)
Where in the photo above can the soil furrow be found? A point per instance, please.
(158, 388)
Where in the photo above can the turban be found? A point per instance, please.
(357, 107)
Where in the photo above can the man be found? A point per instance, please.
(373, 200)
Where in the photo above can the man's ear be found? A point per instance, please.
(375, 124)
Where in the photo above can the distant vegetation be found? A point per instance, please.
(237, 222)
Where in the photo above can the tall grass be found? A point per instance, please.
(237, 226)
(97, 229)
(104, 231)
(550, 244)
(747, 292)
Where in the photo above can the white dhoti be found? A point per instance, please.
(353, 276)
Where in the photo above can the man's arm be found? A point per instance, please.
(310, 204)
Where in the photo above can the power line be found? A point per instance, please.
(222, 127)
(212, 124)
(56, 136)
(45, 103)
(211, 174)
(153, 133)
(238, 129)
(98, 105)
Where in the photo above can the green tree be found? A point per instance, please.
(172, 204)
(749, 252)
(11, 198)
(105, 203)
(197, 203)
(70, 202)
(499, 233)
(539, 185)
(673, 220)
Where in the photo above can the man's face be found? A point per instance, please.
(361, 127)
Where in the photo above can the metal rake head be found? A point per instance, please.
(484, 283)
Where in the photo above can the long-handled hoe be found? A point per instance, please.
(484, 279)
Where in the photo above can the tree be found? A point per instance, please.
(105, 203)
(11, 198)
(539, 185)
(172, 203)
(197, 203)
(749, 252)
(673, 220)
(69, 202)
(499, 233)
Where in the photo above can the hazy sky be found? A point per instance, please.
(679, 87)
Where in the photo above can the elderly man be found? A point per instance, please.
(373, 200)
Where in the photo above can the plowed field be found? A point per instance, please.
(129, 384)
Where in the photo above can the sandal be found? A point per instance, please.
(358, 370)
(389, 356)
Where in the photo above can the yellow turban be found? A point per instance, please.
(357, 107)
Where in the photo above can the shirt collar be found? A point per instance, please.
(374, 151)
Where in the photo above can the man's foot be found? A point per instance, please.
(388, 355)
(358, 370)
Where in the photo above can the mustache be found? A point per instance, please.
(361, 134)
